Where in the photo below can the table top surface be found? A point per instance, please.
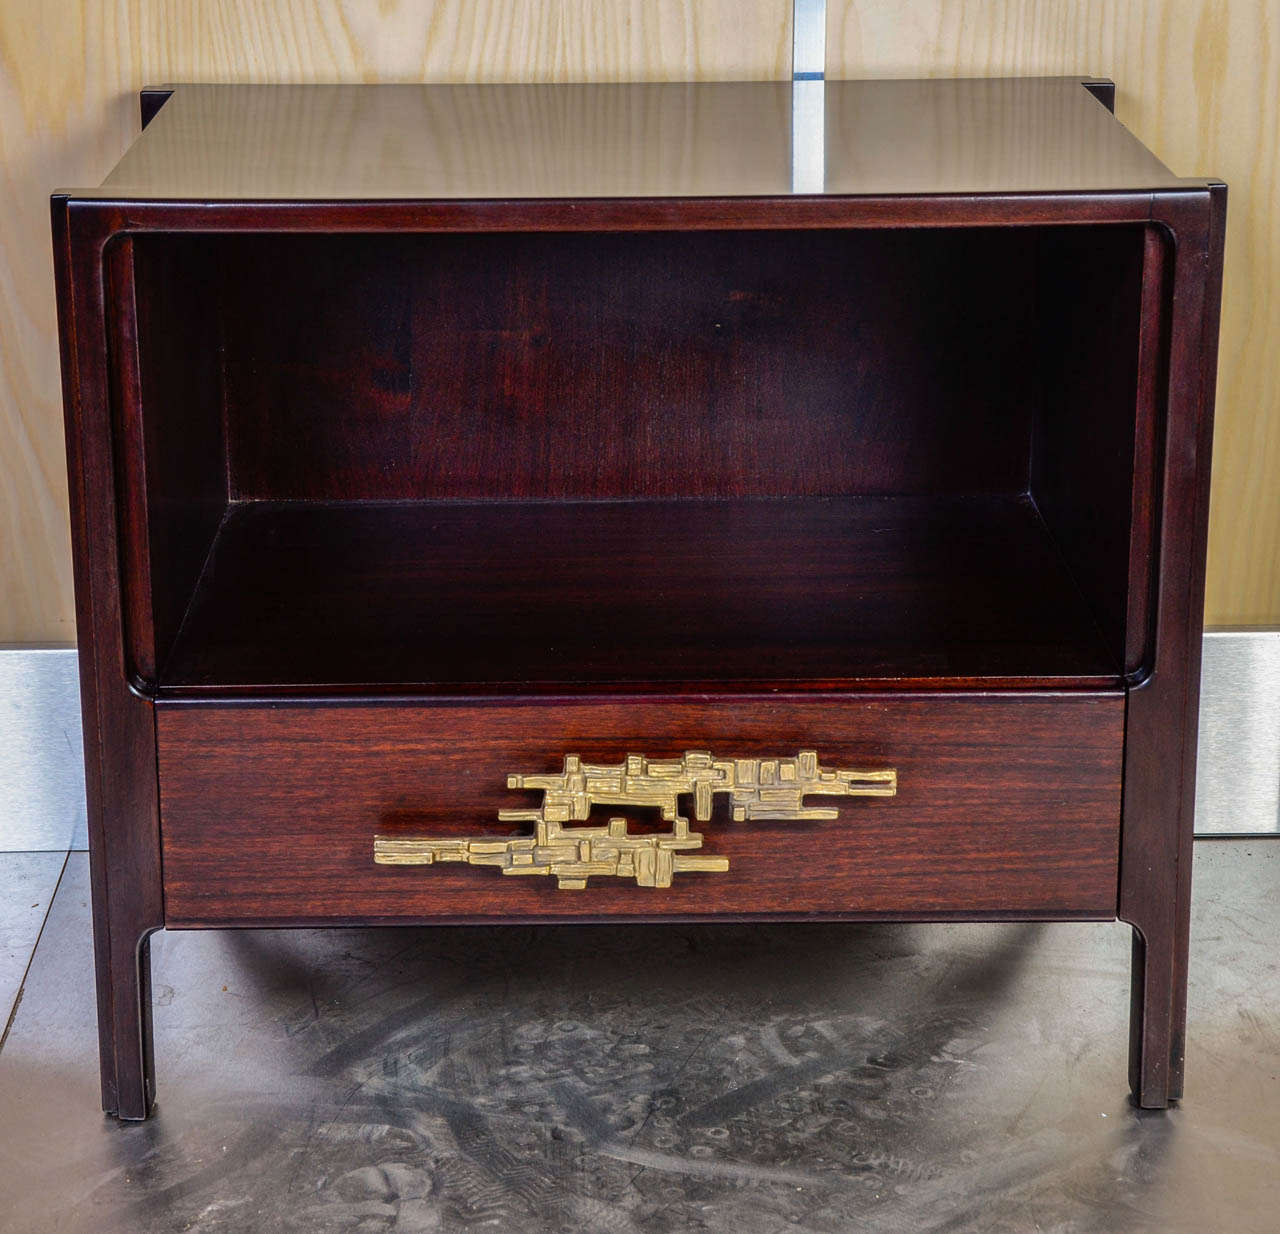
(706, 140)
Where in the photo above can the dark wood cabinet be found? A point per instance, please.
(442, 452)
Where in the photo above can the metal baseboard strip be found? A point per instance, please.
(1238, 761)
(41, 751)
(42, 757)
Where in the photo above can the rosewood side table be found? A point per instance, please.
(543, 504)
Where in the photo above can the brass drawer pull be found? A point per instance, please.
(758, 788)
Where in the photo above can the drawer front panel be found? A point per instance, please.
(1005, 804)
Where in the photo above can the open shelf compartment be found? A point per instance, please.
(549, 462)
(808, 592)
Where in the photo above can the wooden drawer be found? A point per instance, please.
(1006, 805)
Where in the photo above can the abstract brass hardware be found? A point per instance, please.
(757, 788)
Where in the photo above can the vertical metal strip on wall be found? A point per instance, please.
(808, 40)
(808, 96)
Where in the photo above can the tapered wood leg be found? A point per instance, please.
(128, 904)
(124, 1026)
(1158, 1011)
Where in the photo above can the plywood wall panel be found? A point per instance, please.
(69, 75)
(1199, 82)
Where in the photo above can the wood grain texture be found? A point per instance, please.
(1005, 805)
(773, 364)
(451, 596)
(69, 75)
(1199, 82)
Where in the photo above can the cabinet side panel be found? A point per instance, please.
(176, 292)
(1090, 301)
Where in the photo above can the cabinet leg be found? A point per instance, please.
(1158, 1011)
(124, 1026)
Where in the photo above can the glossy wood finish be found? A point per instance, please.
(119, 724)
(1131, 292)
(1160, 735)
(803, 593)
(706, 139)
(1006, 805)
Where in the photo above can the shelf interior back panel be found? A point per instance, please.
(496, 596)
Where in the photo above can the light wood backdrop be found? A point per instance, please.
(1199, 81)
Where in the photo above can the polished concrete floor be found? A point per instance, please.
(751, 1080)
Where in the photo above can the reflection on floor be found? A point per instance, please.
(743, 1079)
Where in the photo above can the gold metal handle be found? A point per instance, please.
(758, 788)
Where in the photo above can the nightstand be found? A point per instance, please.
(517, 504)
